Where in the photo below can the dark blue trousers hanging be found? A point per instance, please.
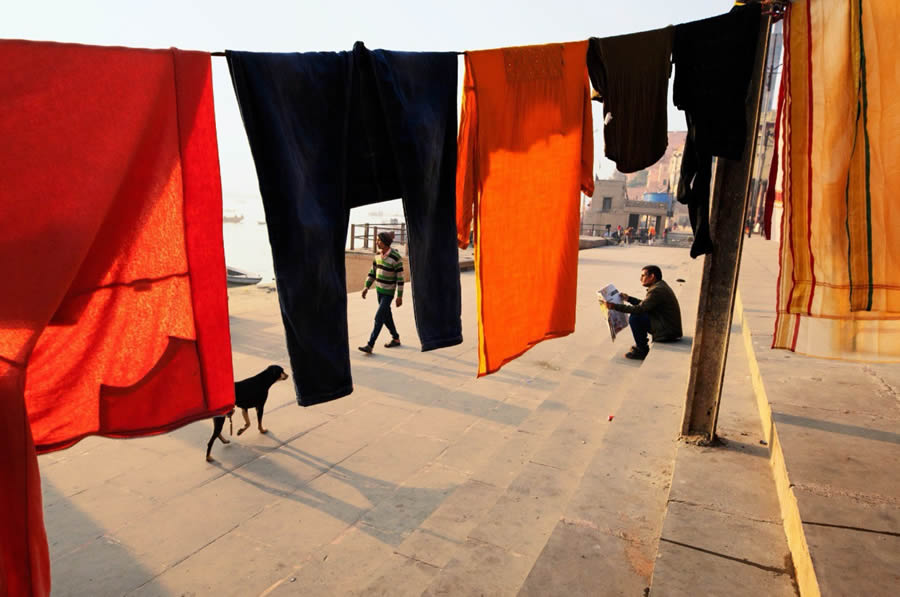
(334, 130)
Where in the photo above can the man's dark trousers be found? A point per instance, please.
(383, 316)
(640, 329)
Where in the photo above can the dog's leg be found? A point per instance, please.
(259, 416)
(246, 421)
(218, 424)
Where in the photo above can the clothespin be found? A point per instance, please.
(775, 8)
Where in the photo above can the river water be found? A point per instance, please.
(247, 241)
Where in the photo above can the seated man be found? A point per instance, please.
(658, 314)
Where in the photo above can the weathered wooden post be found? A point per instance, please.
(366, 238)
(731, 186)
(352, 235)
(375, 240)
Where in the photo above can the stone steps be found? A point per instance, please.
(722, 532)
(401, 562)
(510, 504)
(606, 538)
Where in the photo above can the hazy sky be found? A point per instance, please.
(263, 25)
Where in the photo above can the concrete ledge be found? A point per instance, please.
(807, 582)
(834, 448)
(592, 242)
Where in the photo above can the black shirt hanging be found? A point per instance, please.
(713, 66)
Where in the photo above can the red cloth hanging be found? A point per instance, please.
(113, 315)
(769, 206)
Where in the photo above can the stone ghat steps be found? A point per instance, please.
(571, 503)
(487, 535)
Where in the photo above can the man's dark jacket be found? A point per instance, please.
(662, 307)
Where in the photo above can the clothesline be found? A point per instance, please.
(777, 8)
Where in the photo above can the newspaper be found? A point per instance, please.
(617, 320)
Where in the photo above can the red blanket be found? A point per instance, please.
(113, 313)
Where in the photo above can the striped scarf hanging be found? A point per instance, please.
(839, 283)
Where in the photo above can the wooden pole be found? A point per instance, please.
(366, 237)
(715, 309)
(374, 240)
(352, 235)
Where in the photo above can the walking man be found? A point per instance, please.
(387, 275)
(658, 314)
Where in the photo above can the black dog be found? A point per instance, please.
(248, 393)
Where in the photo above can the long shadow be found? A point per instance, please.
(733, 445)
(507, 377)
(249, 338)
(396, 510)
(831, 427)
(399, 386)
(82, 560)
(683, 345)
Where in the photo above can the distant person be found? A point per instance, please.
(657, 315)
(651, 233)
(608, 227)
(387, 275)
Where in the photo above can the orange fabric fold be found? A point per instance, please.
(525, 155)
(113, 318)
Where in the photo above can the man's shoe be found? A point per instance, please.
(636, 354)
(394, 342)
(366, 349)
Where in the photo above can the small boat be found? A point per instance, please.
(239, 277)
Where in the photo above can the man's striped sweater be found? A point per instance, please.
(387, 273)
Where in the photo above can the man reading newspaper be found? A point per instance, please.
(658, 314)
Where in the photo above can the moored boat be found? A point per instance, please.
(239, 277)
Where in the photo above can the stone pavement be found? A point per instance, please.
(833, 429)
(723, 532)
(550, 477)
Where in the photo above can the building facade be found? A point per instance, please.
(611, 207)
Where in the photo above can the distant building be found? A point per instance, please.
(611, 206)
(640, 199)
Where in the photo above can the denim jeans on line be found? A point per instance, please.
(330, 131)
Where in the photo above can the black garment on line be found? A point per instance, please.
(631, 76)
(713, 66)
(334, 130)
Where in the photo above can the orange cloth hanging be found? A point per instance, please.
(113, 315)
(525, 154)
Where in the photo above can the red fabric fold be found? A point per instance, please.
(114, 317)
(773, 169)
